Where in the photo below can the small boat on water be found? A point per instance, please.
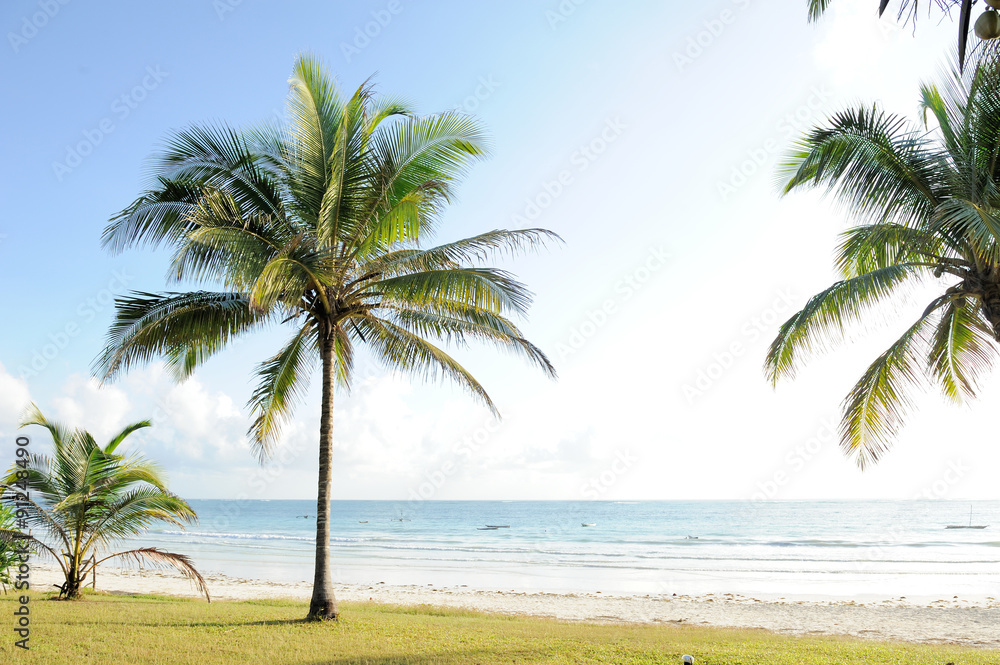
(497, 526)
(487, 528)
(362, 521)
(970, 525)
(589, 524)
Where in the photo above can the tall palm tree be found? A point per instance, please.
(928, 197)
(86, 498)
(317, 225)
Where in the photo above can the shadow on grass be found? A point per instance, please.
(234, 624)
(471, 656)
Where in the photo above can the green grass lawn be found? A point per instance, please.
(145, 629)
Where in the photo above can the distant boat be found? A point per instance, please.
(487, 528)
(690, 537)
(589, 524)
(362, 521)
(970, 525)
(497, 526)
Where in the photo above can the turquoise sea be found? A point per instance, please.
(874, 549)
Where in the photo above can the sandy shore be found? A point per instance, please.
(952, 620)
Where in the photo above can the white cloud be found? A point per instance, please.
(84, 403)
(14, 397)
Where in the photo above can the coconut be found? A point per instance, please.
(988, 25)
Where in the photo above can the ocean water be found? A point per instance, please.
(863, 550)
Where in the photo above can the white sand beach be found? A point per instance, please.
(974, 622)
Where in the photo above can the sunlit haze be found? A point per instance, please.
(646, 134)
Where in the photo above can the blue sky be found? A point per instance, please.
(624, 127)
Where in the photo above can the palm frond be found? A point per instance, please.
(979, 223)
(460, 326)
(14, 537)
(961, 349)
(817, 8)
(491, 245)
(431, 154)
(33, 416)
(37, 516)
(864, 249)
(157, 217)
(220, 158)
(343, 357)
(228, 244)
(315, 110)
(878, 167)
(124, 433)
(399, 349)
(128, 514)
(484, 288)
(160, 559)
(185, 328)
(282, 381)
(875, 408)
(826, 315)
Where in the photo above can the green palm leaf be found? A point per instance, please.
(873, 162)
(827, 314)
(281, 382)
(875, 407)
(185, 328)
(961, 350)
(394, 346)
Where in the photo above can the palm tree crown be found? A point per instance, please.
(317, 224)
(87, 498)
(929, 200)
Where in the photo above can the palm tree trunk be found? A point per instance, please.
(323, 605)
(71, 589)
(991, 308)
